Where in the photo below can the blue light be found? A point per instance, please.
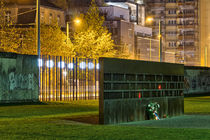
(40, 62)
(90, 65)
(50, 64)
(82, 65)
(97, 66)
(61, 64)
(71, 66)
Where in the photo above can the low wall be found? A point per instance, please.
(18, 78)
(126, 87)
(197, 80)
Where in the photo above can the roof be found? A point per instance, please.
(33, 2)
(49, 4)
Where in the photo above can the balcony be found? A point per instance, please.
(186, 26)
(186, 2)
(186, 36)
(185, 15)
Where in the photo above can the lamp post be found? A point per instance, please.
(160, 43)
(77, 21)
(38, 37)
(38, 27)
(149, 20)
(67, 32)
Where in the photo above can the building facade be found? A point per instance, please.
(24, 13)
(125, 28)
(204, 19)
(180, 29)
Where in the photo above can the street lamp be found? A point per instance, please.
(38, 37)
(77, 21)
(38, 27)
(150, 20)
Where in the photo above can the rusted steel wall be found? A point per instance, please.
(128, 86)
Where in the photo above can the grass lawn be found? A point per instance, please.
(197, 105)
(56, 121)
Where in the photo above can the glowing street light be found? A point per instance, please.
(149, 19)
(77, 21)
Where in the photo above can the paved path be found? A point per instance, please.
(186, 121)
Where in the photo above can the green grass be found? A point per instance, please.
(54, 121)
(49, 109)
(197, 105)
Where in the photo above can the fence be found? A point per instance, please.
(66, 78)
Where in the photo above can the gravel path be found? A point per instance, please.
(186, 121)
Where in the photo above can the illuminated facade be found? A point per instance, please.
(126, 26)
(180, 29)
(24, 13)
(205, 32)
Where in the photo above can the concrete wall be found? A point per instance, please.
(18, 78)
(197, 80)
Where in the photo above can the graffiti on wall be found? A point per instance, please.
(197, 81)
(21, 81)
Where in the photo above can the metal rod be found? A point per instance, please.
(160, 43)
(67, 32)
(150, 52)
(38, 37)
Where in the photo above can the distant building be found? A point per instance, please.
(204, 19)
(180, 29)
(136, 9)
(125, 31)
(25, 13)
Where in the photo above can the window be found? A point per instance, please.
(173, 11)
(130, 33)
(121, 16)
(172, 1)
(59, 19)
(50, 18)
(172, 44)
(42, 16)
(8, 16)
(172, 22)
(172, 33)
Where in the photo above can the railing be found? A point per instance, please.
(66, 78)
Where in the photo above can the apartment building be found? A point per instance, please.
(180, 29)
(126, 27)
(204, 19)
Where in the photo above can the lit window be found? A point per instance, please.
(8, 16)
(58, 19)
(50, 18)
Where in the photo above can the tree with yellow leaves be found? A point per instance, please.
(9, 36)
(93, 40)
(53, 41)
